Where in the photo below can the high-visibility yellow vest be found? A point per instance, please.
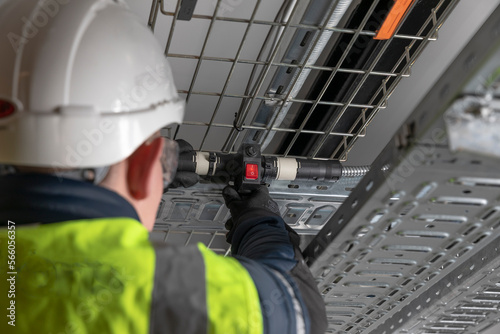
(105, 276)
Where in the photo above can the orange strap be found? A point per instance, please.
(393, 19)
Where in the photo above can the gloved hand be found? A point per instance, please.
(239, 204)
(258, 199)
(182, 178)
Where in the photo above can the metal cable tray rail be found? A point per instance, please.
(406, 252)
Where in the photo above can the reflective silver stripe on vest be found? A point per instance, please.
(179, 293)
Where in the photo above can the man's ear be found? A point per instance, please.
(140, 168)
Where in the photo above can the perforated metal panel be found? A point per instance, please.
(306, 206)
(412, 232)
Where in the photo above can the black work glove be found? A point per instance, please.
(183, 178)
(239, 204)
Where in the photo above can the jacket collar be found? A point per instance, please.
(41, 198)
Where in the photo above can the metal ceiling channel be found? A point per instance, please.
(434, 22)
(305, 48)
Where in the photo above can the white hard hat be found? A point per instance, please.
(82, 83)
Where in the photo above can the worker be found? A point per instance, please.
(84, 91)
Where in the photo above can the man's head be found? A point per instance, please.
(139, 179)
(85, 86)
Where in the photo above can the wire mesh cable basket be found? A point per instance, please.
(300, 78)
